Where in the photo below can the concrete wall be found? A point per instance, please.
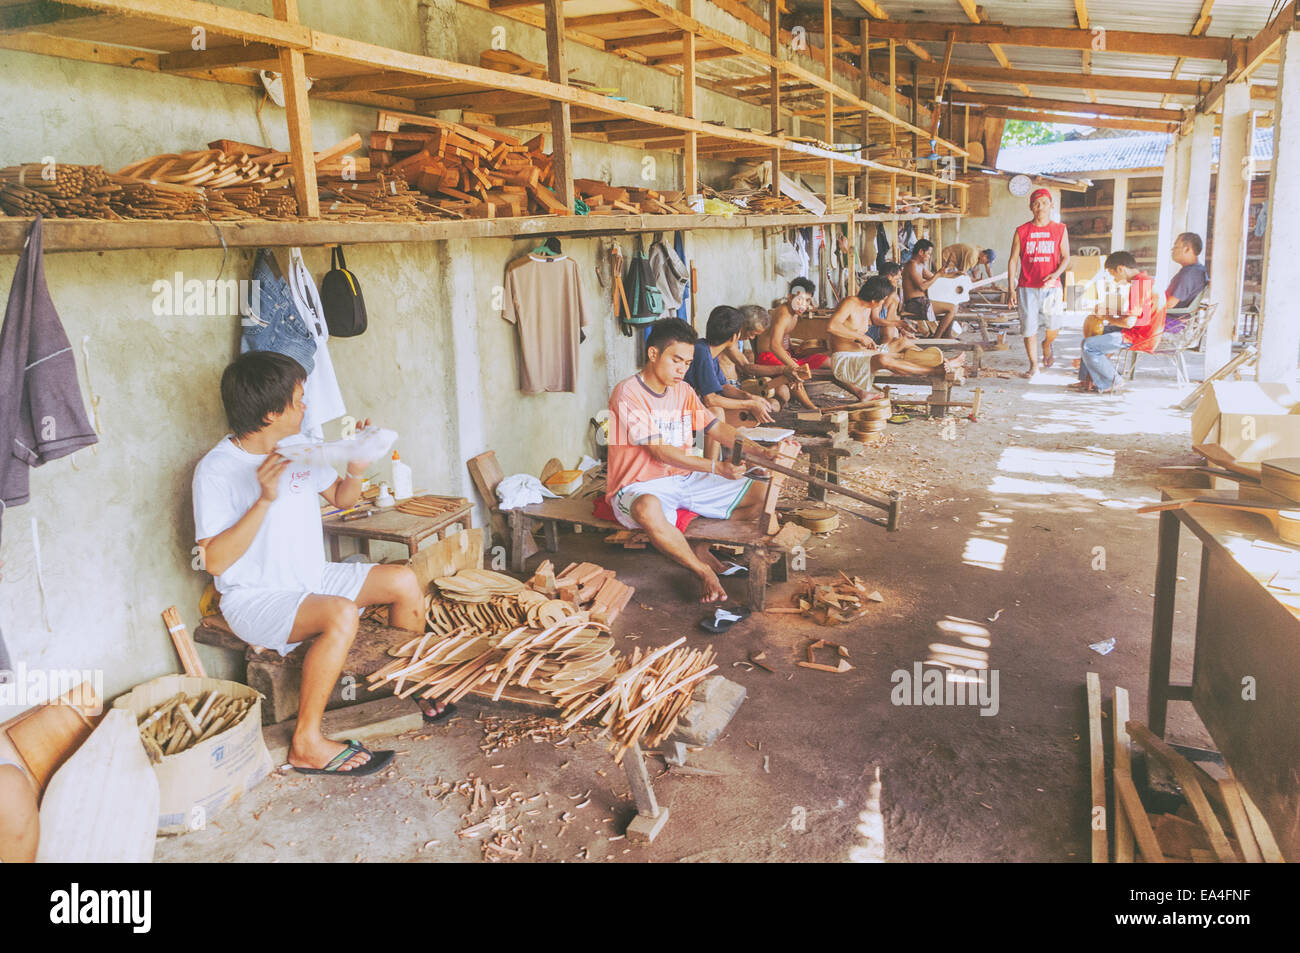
(437, 363)
(995, 230)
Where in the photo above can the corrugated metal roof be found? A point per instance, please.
(1106, 155)
(1228, 18)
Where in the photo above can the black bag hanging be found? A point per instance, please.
(644, 300)
(340, 294)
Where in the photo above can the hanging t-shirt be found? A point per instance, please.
(320, 391)
(543, 298)
(705, 373)
(639, 416)
(1040, 253)
(288, 551)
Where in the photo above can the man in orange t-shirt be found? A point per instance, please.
(1142, 321)
(654, 417)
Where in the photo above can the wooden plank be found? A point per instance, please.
(984, 74)
(1185, 775)
(297, 115)
(1122, 755)
(1241, 827)
(1059, 38)
(46, 736)
(1097, 773)
(1068, 106)
(185, 649)
(446, 557)
(690, 158)
(561, 121)
(1263, 835)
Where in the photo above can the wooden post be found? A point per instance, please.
(864, 92)
(852, 283)
(893, 90)
(1198, 183)
(774, 49)
(297, 114)
(828, 50)
(1279, 332)
(1231, 205)
(1119, 215)
(690, 171)
(1165, 239)
(561, 126)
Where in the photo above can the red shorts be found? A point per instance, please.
(814, 361)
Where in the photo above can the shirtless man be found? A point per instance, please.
(771, 382)
(773, 345)
(917, 279)
(855, 358)
(888, 326)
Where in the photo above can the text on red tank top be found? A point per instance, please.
(1040, 252)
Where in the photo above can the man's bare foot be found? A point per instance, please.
(704, 555)
(317, 754)
(1029, 374)
(1047, 355)
(713, 591)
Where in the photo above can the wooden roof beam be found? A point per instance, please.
(1255, 53)
(1066, 106)
(1133, 84)
(1033, 115)
(1059, 38)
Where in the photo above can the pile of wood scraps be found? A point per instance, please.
(184, 720)
(833, 602)
(59, 191)
(841, 665)
(476, 172)
(1218, 823)
(602, 198)
(646, 696)
(563, 660)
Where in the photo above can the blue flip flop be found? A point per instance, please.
(723, 619)
(378, 761)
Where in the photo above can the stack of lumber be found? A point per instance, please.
(832, 602)
(762, 201)
(571, 657)
(60, 191)
(646, 695)
(474, 171)
(1219, 823)
(430, 505)
(587, 584)
(184, 720)
(602, 198)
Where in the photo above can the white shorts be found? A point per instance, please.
(705, 494)
(264, 617)
(853, 367)
(1034, 303)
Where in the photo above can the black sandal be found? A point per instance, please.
(440, 718)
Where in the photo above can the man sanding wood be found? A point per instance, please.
(257, 519)
(654, 418)
(855, 356)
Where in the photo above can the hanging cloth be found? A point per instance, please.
(321, 391)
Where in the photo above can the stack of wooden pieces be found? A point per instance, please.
(184, 720)
(865, 423)
(430, 505)
(646, 695)
(475, 171)
(62, 191)
(477, 585)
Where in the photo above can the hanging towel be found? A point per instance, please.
(321, 391)
(42, 415)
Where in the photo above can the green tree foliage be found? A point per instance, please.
(1019, 132)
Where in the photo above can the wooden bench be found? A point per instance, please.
(760, 551)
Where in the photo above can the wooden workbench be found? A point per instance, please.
(1246, 674)
(392, 525)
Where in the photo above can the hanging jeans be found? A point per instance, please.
(273, 324)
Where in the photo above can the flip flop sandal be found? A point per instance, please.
(722, 620)
(899, 419)
(443, 716)
(378, 761)
(734, 569)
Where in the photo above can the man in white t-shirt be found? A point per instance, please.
(257, 519)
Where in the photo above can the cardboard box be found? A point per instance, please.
(197, 784)
(1254, 422)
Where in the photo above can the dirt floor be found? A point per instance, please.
(1019, 548)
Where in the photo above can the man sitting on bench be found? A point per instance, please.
(855, 358)
(257, 520)
(654, 417)
(934, 318)
(887, 325)
(773, 345)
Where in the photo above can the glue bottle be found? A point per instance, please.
(401, 478)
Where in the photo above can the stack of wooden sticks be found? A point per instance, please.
(184, 720)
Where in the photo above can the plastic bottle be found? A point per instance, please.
(401, 478)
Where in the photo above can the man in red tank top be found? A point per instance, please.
(1040, 253)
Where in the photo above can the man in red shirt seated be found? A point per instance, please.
(654, 418)
(1143, 320)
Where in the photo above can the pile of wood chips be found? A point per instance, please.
(184, 720)
(832, 603)
(646, 695)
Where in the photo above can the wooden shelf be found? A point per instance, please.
(156, 36)
(1132, 203)
(1107, 235)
